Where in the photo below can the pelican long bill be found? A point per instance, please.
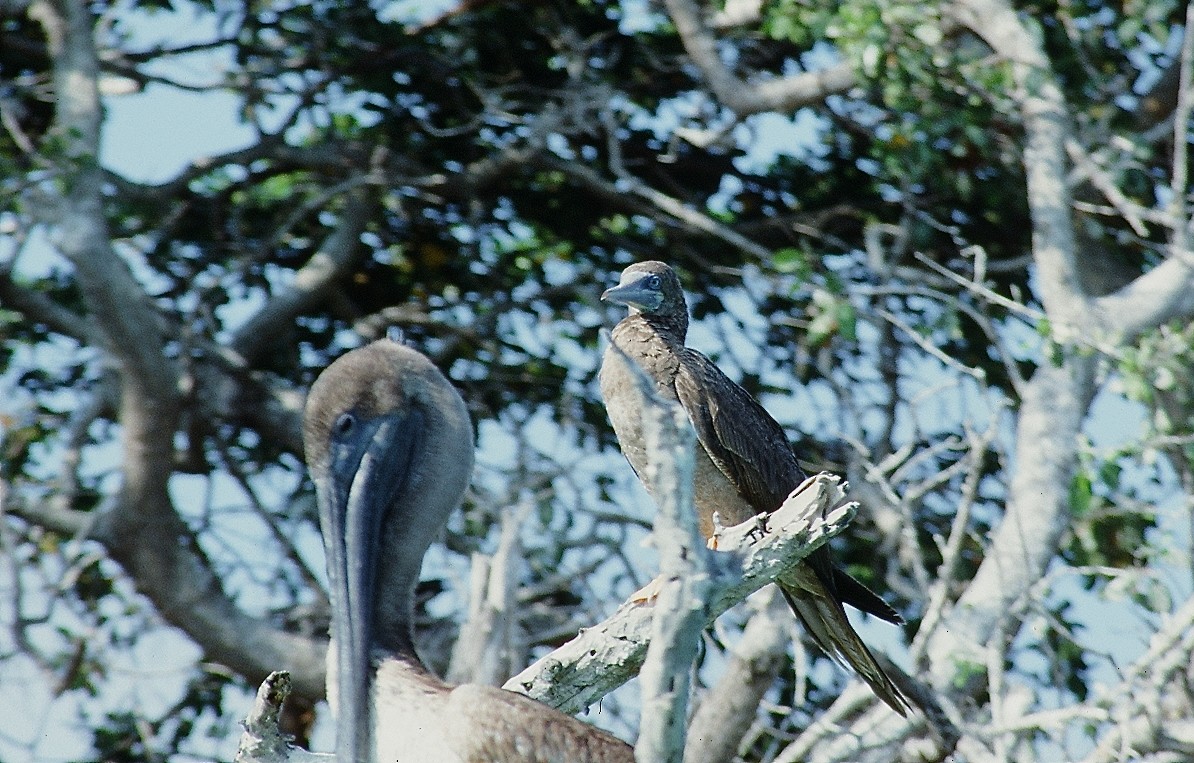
(368, 468)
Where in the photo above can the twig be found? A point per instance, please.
(674, 208)
(270, 519)
(1129, 210)
(983, 291)
(976, 373)
(263, 740)
(950, 552)
(1178, 186)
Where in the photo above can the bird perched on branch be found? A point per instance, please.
(390, 448)
(744, 464)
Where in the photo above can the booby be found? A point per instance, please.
(389, 446)
(744, 462)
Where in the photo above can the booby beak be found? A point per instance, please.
(367, 471)
(635, 294)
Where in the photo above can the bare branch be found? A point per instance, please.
(1047, 124)
(782, 94)
(124, 315)
(1179, 175)
(338, 252)
(1162, 294)
(759, 550)
(271, 521)
(1150, 712)
(171, 569)
(823, 740)
(727, 709)
(680, 613)
(938, 594)
(263, 740)
(621, 194)
(485, 651)
(186, 591)
(1087, 167)
(1050, 418)
(947, 360)
(1166, 291)
(53, 515)
(38, 308)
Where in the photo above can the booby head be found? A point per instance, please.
(390, 448)
(649, 287)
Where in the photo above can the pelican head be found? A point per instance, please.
(389, 446)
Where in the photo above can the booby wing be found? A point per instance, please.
(740, 436)
(752, 450)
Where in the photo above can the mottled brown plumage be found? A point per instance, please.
(390, 448)
(744, 465)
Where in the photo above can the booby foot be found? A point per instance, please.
(715, 536)
(760, 527)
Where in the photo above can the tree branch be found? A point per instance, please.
(338, 253)
(1162, 294)
(1047, 124)
(1037, 513)
(782, 94)
(1056, 398)
(124, 316)
(1166, 291)
(759, 550)
(672, 209)
(484, 651)
(1149, 711)
(727, 710)
(680, 614)
(263, 740)
(140, 527)
(38, 308)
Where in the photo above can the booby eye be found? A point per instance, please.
(344, 424)
(653, 282)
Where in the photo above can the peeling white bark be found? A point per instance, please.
(603, 657)
(757, 551)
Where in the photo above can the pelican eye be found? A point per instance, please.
(344, 424)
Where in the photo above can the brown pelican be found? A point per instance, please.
(390, 449)
(744, 465)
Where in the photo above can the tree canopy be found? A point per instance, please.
(946, 244)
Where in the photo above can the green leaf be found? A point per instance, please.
(792, 261)
(1081, 494)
